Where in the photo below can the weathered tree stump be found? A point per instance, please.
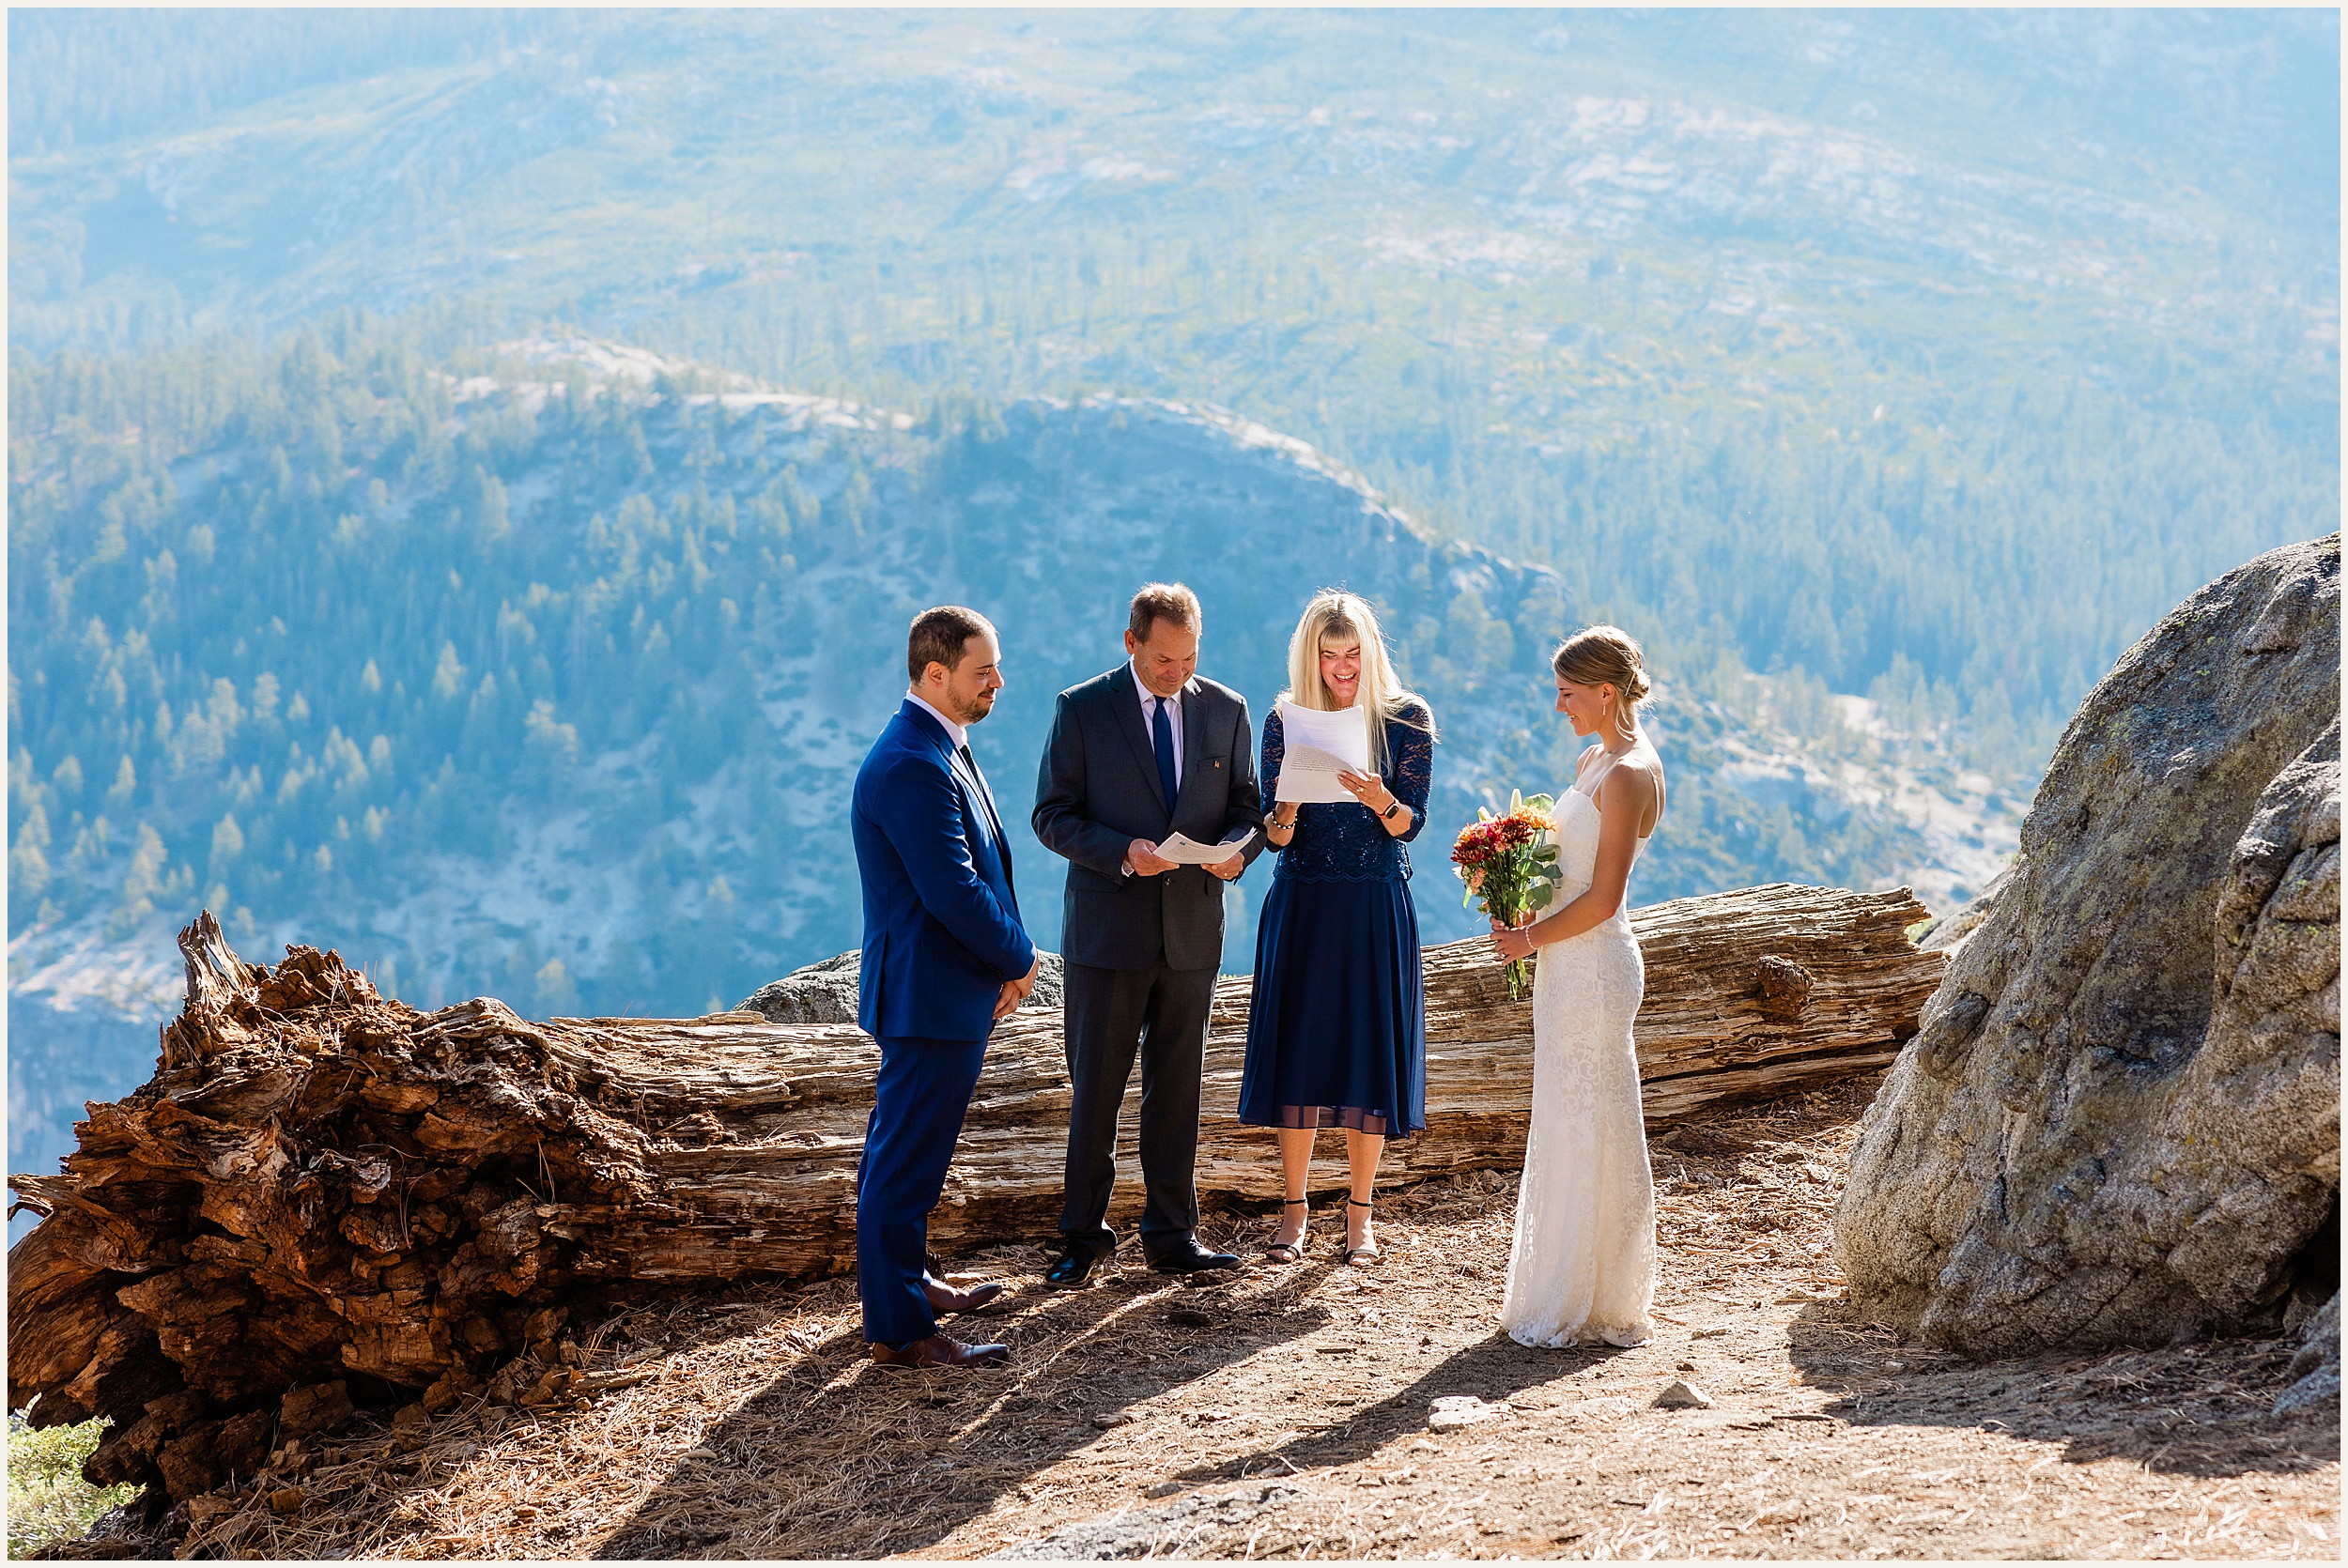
(322, 1186)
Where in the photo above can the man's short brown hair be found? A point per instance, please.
(942, 635)
(1162, 601)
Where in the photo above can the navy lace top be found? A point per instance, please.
(1344, 840)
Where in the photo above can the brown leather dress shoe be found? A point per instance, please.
(938, 1350)
(946, 1297)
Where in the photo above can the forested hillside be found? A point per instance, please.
(542, 672)
(93, 77)
(1830, 340)
(344, 633)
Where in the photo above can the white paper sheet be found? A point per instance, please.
(1317, 745)
(1186, 850)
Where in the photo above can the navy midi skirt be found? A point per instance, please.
(1336, 1031)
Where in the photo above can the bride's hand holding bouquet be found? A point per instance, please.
(1510, 864)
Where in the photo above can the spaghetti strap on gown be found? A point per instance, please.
(1582, 1262)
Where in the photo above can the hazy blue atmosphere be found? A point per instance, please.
(469, 472)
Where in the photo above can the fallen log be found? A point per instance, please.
(326, 1195)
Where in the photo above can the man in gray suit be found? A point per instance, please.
(1136, 755)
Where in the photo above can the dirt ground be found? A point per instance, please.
(1285, 1413)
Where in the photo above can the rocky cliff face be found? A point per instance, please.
(2121, 1119)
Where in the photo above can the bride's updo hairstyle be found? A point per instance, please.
(1606, 657)
(1335, 616)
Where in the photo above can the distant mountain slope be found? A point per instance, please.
(574, 648)
(1829, 339)
(627, 156)
(549, 682)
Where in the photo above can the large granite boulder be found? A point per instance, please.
(2121, 1118)
(1945, 934)
(825, 991)
(2314, 1372)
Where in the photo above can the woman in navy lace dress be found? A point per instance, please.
(1336, 1032)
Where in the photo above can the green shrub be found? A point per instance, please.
(47, 1497)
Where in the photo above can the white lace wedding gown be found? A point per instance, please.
(1582, 1265)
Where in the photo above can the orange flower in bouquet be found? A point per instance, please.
(1510, 864)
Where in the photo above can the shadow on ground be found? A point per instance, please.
(1491, 1369)
(2197, 1410)
(838, 1457)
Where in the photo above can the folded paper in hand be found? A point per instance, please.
(1317, 746)
(1189, 851)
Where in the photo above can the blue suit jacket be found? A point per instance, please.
(941, 920)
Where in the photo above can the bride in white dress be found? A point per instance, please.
(1582, 1265)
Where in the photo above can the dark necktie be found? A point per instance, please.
(986, 796)
(1162, 737)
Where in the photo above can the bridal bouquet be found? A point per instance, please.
(1510, 864)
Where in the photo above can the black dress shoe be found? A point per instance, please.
(946, 1297)
(1071, 1269)
(1192, 1259)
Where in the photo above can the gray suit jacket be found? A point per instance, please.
(1098, 791)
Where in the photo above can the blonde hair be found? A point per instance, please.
(1606, 657)
(1381, 696)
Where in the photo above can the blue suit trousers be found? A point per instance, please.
(919, 1100)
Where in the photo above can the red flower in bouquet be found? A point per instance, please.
(1510, 867)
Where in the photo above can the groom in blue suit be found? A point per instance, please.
(944, 956)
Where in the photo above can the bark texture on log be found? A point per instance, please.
(324, 1193)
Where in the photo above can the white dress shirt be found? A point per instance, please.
(959, 735)
(1149, 700)
(956, 733)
